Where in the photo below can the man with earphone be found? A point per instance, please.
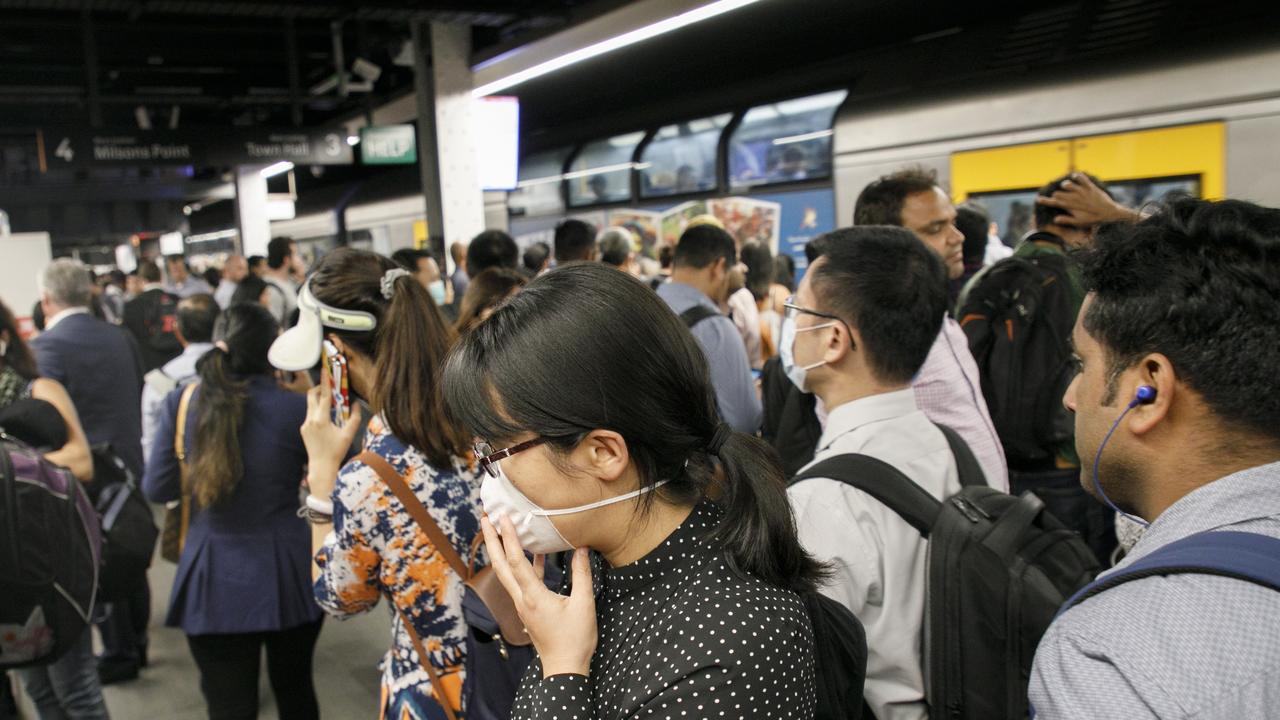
(1177, 420)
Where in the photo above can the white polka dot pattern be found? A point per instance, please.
(682, 635)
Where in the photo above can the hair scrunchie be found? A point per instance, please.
(722, 434)
(389, 281)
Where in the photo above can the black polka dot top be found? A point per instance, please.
(683, 636)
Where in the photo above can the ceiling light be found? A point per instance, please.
(353, 140)
(283, 166)
(706, 12)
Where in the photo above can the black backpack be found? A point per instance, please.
(48, 559)
(697, 314)
(129, 529)
(999, 568)
(1018, 319)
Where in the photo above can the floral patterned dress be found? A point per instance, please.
(377, 550)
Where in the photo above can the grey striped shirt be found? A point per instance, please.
(1183, 646)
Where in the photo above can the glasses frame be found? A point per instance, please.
(488, 459)
(788, 306)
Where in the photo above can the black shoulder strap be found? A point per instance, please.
(967, 466)
(882, 481)
(696, 314)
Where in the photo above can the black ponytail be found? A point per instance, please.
(585, 347)
(217, 462)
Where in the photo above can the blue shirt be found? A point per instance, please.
(246, 564)
(1187, 646)
(726, 355)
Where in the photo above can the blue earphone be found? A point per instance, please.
(1144, 396)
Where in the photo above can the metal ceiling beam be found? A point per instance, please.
(397, 10)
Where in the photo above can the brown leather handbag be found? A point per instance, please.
(177, 515)
(482, 583)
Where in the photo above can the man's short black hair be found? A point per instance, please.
(880, 203)
(889, 286)
(817, 247)
(149, 272)
(702, 245)
(1045, 215)
(535, 256)
(574, 241)
(170, 259)
(278, 251)
(197, 315)
(974, 223)
(255, 261)
(491, 248)
(408, 258)
(1198, 282)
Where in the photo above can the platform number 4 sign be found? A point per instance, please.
(64, 150)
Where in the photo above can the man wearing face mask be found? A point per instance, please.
(856, 333)
(699, 285)
(426, 271)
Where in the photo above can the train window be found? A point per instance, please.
(784, 141)
(681, 158)
(601, 173)
(538, 184)
(1012, 211)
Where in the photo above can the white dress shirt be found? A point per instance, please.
(879, 561)
(50, 322)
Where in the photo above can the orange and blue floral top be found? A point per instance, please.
(376, 550)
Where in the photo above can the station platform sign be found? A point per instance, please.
(194, 146)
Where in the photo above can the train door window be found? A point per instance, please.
(601, 173)
(681, 158)
(538, 184)
(784, 141)
(1013, 211)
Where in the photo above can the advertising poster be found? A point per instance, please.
(643, 224)
(748, 219)
(676, 219)
(804, 215)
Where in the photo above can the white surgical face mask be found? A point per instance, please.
(534, 528)
(436, 289)
(786, 348)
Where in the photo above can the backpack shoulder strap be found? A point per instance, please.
(416, 510)
(184, 474)
(1244, 556)
(882, 481)
(696, 314)
(967, 466)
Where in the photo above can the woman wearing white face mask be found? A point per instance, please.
(367, 544)
(598, 430)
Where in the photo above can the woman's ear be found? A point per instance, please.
(604, 454)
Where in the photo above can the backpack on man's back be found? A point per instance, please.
(1018, 317)
(998, 569)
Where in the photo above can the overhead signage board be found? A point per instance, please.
(388, 145)
(212, 146)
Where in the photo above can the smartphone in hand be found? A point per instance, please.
(339, 389)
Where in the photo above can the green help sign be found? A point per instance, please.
(388, 145)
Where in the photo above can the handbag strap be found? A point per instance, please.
(180, 452)
(436, 683)
(419, 513)
(416, 510)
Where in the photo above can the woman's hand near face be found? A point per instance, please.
(563, 628)
(326, 443)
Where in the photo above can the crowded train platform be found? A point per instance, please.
(672, 359)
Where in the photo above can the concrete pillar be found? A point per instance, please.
(446, 146)
(251, 210)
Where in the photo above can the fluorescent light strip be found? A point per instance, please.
(219, 235)
(283, 166)
(585, 173)
(801, 138)
(706, 12)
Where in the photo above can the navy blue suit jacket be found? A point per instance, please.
(99, 365)
(246, 565)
